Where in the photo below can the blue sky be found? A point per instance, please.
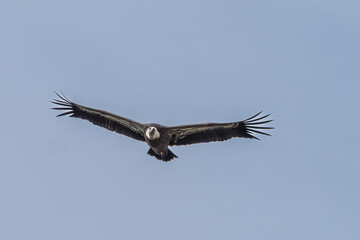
(180, 62)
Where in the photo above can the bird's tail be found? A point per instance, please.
(166, 158)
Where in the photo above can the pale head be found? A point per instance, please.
(152, 133)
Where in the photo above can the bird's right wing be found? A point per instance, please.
(101, 118)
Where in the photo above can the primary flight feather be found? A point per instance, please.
(159, 137)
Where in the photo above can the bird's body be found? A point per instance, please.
(160, 137)
(157, 137)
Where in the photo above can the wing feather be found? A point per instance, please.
(101, 118)
(209, 132)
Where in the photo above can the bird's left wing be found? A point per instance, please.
(101, 118)
(210, 132)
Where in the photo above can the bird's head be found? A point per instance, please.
(152, 133)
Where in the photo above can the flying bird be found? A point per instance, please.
(160, 137)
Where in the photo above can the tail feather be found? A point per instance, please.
(166, 158)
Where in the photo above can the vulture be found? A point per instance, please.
(160, 137)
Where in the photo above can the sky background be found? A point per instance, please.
(180, 62)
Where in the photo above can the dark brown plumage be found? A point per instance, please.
(159, 137)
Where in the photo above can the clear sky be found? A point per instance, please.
(180, 62)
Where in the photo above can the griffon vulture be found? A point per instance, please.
(160, 137)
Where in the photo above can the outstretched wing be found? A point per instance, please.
(210, 132)
(101, 118)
